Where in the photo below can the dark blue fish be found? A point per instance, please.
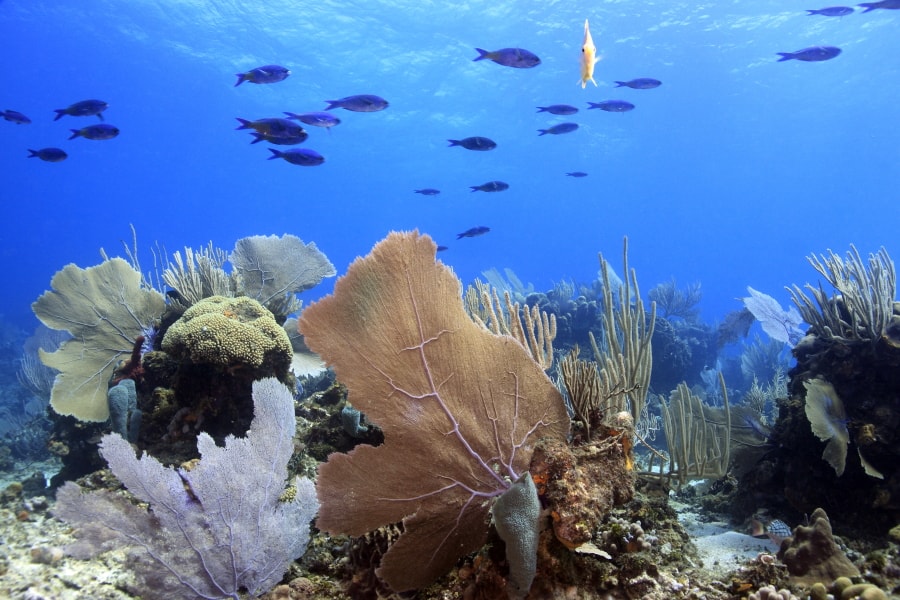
(577, 174)
(559, 128)
(612, 105)
(49, 154)
(316, 119)
(303, 157)
(266, 74)
(518, 58)
(480, 230)
(273, 127)
(811, 54)
(359, 103)
(442, 248)
(490, 186)
(641, 83)
(85, 108)
(428, 192)
(831, 11)
(15, 117)
(101, 131)
(558, 109)
(889, 4)
(475, 143)
(281, 141)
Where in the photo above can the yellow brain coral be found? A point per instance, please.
(230, 333)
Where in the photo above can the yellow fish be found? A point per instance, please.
(588, 57)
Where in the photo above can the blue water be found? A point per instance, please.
(730, 173)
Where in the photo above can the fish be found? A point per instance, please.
(359, 103)
(612, 105)
(428, 192)
(475, 143)
(889, 4)
(15, 116)
(517, 58)
(577, 174)
(316, 119)
(559, 128)
(474, 231)
(558, 109)
(831, 11)
(85, 108)
(273, 127)
(49, 154)
(588, 58)
(303, 157)
(490, 186)
(100, 131)
(265, 74)
(442, 248)
(776, 530)
(281, 141)
(812, 54)
(641, 83)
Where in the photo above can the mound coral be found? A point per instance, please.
(230, 333)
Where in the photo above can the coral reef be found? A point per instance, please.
(812, 555)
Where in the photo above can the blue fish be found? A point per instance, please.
(558, 109)
(49, 154)
(577, 174)
(316, 119)
(517, 58)
(303, 157)
(85, 108)
(15, 116)
(101, 131)
(428, 192)
(265, 74)
(811, 54)
(441, 248)
(490, 186)
(612, 105)
(831, 11)
(474, 231)
(281, 141)
(641, 83)
(475, 143)
(273, 127)
(889, 4)
(559, 128)
(359, 103)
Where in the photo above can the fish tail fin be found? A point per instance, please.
(33, 153)
(785, 56)
(868, 6)
(275, 153)
(60, 113)
(542, 132)
(244, 123)
(475, 188)
(811, 12)
(757, 529)
(291, 115)
(620, 83)
(332, 104)
(242, 77)
(454, 143)
(75, 133)
(100, 116)
(482, 54)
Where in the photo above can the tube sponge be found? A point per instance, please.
(826, 415)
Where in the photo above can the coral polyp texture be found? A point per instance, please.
(230, 333)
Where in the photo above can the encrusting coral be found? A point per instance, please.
(812, 555)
